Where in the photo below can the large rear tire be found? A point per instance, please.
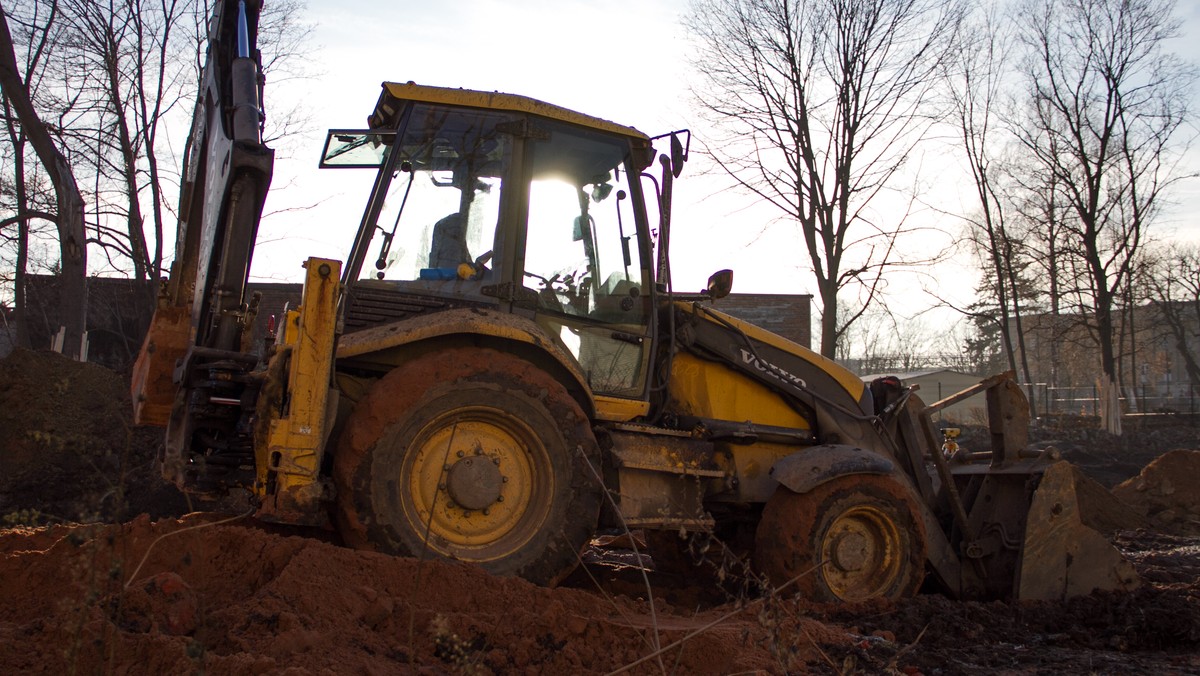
(473, 455)
(866, 529)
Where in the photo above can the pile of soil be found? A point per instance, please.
(196, 595)
(199, 596)
(68, 448)
(1167, 491)
(236, 599)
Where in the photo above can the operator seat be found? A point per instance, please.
(449, 247)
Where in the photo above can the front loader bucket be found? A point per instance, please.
(1062, 555)
(1031, 527)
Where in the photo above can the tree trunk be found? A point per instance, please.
(72, 238)
(135, 223)
(829, 319)
(1108, 357)
(19, 326)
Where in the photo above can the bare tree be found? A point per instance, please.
(284, 37)
(100, 32)
(137, 68)
(817, 105)
(19, 187)
(976, 86)
(125, 73)
(69, 201)
(1106, 105)
(24, 214)
(145, 57)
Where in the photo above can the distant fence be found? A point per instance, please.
(1048, 399)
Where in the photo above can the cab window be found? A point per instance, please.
(583, 258)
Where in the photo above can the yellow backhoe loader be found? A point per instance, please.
(502, 366)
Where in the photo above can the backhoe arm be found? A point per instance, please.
(226, 174)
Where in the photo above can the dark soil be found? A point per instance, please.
(68, 449)
(1152, 630)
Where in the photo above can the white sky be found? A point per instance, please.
(623, 60)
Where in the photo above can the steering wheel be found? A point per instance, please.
(545, 282)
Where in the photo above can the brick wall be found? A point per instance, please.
(785, 314)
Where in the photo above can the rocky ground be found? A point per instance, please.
(143, 588)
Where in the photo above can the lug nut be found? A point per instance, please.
(461, 454)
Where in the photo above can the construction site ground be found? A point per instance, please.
(106, 569)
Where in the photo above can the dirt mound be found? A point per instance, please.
(197, 595)
(68, 450)
(236, 599)
(1167, 492)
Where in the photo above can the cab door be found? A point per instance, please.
(586, 255)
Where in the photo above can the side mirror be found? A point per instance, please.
(678, 156)
(720, 283)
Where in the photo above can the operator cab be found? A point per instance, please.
(503, 202)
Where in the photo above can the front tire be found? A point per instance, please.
(851, 539)
(473, 455)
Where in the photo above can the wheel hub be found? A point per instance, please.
(861, 547)
(474, 485)
(474, 482)
(850, 552)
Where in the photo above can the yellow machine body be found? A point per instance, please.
(299, 408)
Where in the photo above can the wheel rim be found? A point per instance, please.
(479, 481)
(862, 550)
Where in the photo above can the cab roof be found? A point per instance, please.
(394, 92)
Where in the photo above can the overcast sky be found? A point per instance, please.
(623, 60)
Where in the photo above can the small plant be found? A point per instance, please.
(28, 518)
(453, 649)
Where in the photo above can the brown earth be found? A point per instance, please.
(193, 594)
(1168, 492)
